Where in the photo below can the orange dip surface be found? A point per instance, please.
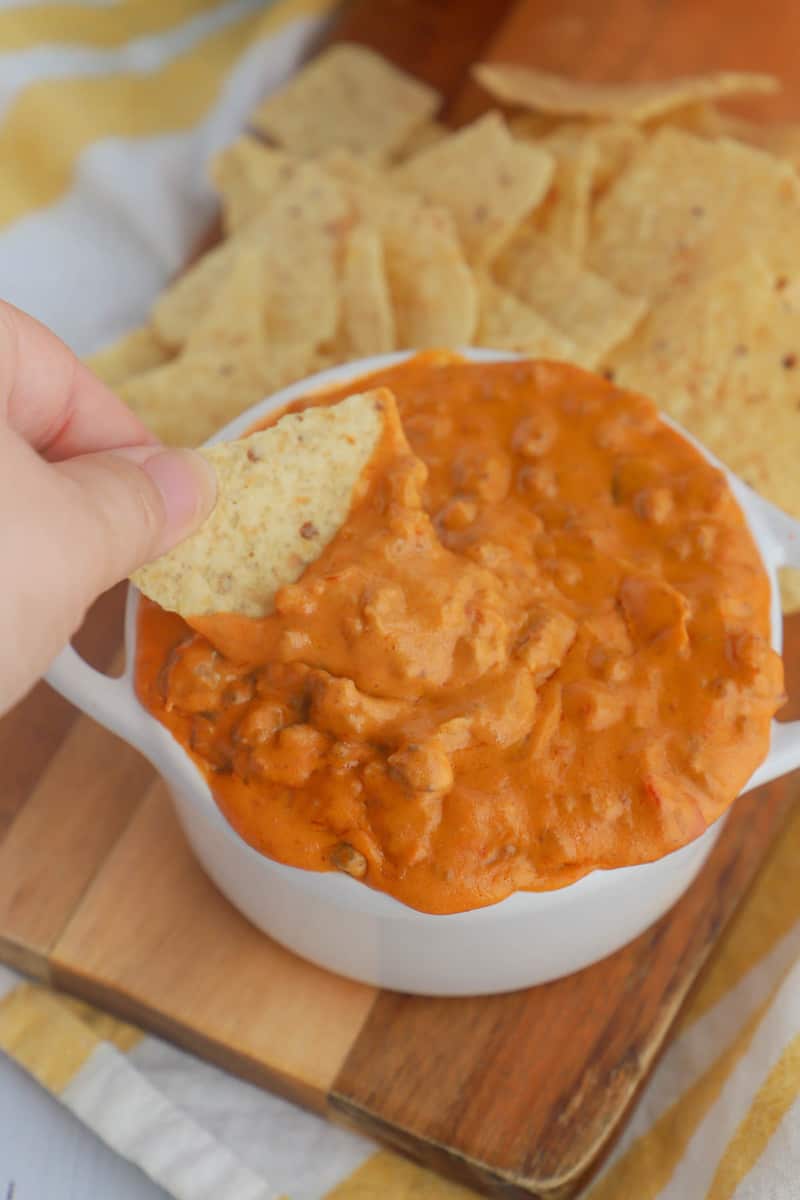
(538, 646)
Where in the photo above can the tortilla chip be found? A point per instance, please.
(350, 97)
(505, 323)
(615, 143)
(296, 243)
(235, 318)
(283, 494)
(423, 136)
(779, 138)
(703, 118)
(685, 207)
(180, 306)
(789, 580)
(532, 127)
(368, 319)
(433, 292)
(723, 357)
(290, 272)
(564, 215)
(131, 354)
(584, 307)
(542, 92)
(682, 351)
(782, 140)
(488, 180)
(190, 398)
(247, 173)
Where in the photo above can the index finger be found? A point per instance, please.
(52, 400)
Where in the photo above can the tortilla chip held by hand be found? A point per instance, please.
(283, 493)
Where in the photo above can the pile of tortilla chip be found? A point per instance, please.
(635, 229)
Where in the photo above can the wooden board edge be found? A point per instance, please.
(121, 1004)
(21, 958)
(429, 1153)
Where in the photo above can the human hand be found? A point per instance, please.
(87, 494)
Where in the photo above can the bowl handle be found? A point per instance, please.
(109, 701)
(784, 753)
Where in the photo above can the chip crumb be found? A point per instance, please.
(346, 858)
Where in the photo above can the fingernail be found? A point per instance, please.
(188, 487)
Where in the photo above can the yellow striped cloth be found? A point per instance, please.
(108, 114)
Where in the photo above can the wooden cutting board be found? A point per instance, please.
(517, 1095)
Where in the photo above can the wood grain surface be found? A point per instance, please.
(518, 1095)
(178, 958)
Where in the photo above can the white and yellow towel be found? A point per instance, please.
(108, 114)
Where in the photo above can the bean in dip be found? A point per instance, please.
(538, 645)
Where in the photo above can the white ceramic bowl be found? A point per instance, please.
(527, 939)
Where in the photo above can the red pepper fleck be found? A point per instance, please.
(309, 530)
(651, 792)
(789, 361)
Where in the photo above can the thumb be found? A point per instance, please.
(128, 506)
